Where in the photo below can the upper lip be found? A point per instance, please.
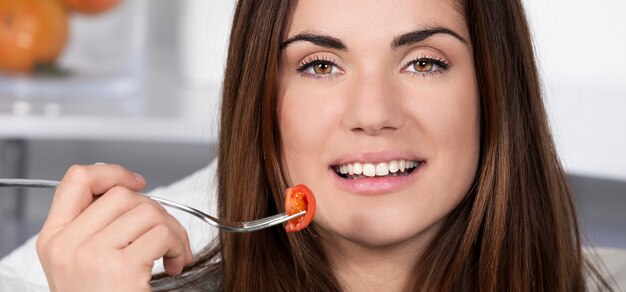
(375, 157)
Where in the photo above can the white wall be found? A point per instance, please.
(582, 56)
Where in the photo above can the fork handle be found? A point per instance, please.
(52, 184)
(28, 183)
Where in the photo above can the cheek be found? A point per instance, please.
(307, 122)
(452, 130)
(455, 126)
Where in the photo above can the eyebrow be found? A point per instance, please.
(320, 40)
(420, 35)
(402, 40)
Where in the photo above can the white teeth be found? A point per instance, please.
(369, 170)
(382, 169)
(393, 167)
(357, 168)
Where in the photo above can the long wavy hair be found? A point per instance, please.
(516, 230)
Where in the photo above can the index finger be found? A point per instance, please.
(80, 186)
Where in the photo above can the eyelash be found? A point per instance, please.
(439, 62)
(317, 60)
(313, 61)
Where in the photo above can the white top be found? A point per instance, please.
(21, 271)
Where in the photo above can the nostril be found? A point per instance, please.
(374, 114)
(374, 129)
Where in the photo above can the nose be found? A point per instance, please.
(374, 106)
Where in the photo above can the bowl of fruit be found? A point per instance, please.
(64, 48)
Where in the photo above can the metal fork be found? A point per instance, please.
(245, 226)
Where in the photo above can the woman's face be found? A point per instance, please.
(378, 115)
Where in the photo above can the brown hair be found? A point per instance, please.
(516, 229)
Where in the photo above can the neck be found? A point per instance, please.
(360, 267)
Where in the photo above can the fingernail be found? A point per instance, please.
(139, 178)
(99, 163)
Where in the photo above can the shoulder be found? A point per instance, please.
(611, 262)
(21, 271)
(204, 278)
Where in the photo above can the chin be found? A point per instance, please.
(381, 239)
(371, 232)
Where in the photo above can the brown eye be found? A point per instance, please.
(423, 66)
(322, 68)
(426, 66)
(316, 67)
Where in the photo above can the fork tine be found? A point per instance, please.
(272, 220)
(245, 226)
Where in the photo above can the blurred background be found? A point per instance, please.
(138, 83)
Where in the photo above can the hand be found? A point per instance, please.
(101, 235)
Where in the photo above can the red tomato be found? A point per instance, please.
(297, 199)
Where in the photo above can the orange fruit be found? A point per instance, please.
(91, 6)
(31, 32)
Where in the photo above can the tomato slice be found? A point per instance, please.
(297, 199)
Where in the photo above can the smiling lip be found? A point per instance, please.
(376, 185)
(376, 157)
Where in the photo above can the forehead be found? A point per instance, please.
(371, 19)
